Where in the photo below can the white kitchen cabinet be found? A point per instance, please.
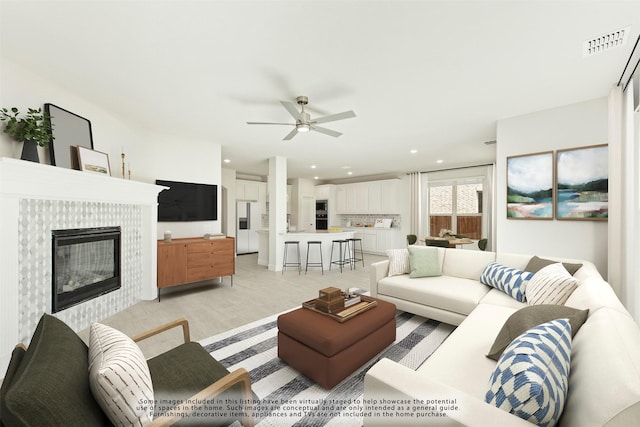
(369, 240)
(322, 192)
(248, 190)
(289, 197)
(389, 196)
(375, 197)
(361, 194)
(341, 199)
(377, 241)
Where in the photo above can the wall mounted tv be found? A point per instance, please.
(187, 201)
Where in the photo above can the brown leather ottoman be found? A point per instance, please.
(326, 350)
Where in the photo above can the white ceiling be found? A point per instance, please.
(434, 76)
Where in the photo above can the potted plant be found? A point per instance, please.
(33, 129)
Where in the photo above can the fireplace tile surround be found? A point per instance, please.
(36, 220)
(36, 199)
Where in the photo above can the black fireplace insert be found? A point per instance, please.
(86, 264)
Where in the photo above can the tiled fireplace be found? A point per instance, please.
(39, 201)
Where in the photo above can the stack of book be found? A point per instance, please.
(351, 299)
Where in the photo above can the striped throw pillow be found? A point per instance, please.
(398, 262)
(551, 285)
(509, 280)
(531, 378)
(119, 377)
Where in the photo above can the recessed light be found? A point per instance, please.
(227, 161)
(316, 177)
(349, 173)
(439, 161)
(313, 166)
(414, 151)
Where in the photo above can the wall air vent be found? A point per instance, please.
(605, 42)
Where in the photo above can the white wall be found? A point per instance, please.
(571, 126)
(148, 154)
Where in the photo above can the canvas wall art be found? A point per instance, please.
(530, 186)
(582, 184)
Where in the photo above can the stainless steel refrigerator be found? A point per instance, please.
(247, 223)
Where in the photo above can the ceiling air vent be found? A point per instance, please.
(605, 42)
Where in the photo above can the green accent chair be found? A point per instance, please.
(482, 244)
(48, 383)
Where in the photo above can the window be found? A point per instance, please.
(456, 206)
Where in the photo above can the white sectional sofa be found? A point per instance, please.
(604, 378)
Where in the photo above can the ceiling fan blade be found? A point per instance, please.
(326, 131)
(270, 123)
(291, 109)
(290, 135)
(334, 117)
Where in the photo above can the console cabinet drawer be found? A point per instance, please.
(191, 260)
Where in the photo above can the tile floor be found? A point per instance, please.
(212, 308)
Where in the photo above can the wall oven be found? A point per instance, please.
(322, 215)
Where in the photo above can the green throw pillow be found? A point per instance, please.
(529, 317)
(536, 264)
(423, 261)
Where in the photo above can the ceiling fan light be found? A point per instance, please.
(303, 127)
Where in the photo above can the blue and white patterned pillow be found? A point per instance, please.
(509, 280)
(532, 375)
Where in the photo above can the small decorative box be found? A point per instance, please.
(329, 294)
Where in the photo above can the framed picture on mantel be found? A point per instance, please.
(93, 161)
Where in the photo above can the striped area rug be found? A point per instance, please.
(288, 398)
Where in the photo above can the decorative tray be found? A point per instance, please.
(366, 303)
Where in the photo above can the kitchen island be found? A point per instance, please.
(326, 237)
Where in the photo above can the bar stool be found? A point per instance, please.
(352, 253)
(314, 264)
(343, 247)
(286, 264)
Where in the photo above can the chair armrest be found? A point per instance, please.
(174, 324)
(239, 376)
(379, 270)
(390, 380)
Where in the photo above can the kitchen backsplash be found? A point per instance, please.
(367, 220)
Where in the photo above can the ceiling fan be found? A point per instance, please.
(303, 119)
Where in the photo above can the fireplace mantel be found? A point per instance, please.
(65, 198)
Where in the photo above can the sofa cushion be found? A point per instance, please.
(531, 377)
(594, 293)
(51, 385)
(497, 297)
(507, 279)
(423, 261)
(605, 371)
(465, 349)
(119, 376)
(398, 261)
(551, 285)
(465, 264)
(528, 317)
(536, 264)
(444, 292)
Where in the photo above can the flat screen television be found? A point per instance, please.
(187, 201)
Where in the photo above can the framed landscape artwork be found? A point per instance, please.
(530, 186)
(93, 161)
(582, 183)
